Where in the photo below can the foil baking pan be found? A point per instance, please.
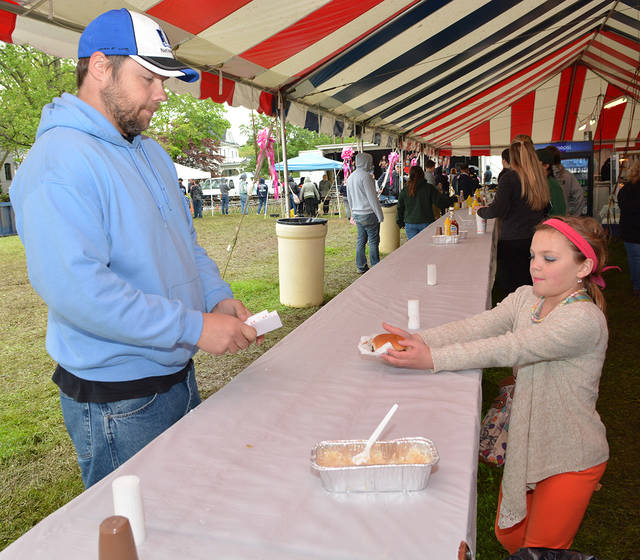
(388, 477)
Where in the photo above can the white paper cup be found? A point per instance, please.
(431, 275)
(481, 224)
(127, 501)
(414, 314)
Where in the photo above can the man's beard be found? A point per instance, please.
(126, 116)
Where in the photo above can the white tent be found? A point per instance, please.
(185, 173)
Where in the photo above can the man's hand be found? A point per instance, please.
(233, 307)
(416, 356)
(223, 333)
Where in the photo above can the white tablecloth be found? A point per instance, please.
(233, 479)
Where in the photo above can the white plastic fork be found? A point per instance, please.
(364, 455)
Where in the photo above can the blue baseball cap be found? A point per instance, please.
(126, 33)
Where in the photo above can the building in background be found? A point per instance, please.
(232, 164)
(7, 173)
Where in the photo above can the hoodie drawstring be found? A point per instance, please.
(149, 187)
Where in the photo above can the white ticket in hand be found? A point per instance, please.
(264, 322)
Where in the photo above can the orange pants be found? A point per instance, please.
(555, 509)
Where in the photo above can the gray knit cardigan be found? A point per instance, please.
(554, 426)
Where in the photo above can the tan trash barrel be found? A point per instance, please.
(301, 260)
(389, 230)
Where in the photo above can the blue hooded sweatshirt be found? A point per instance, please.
(111, 248)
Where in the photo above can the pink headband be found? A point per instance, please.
(583, 246)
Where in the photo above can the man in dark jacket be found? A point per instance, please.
(263, 192)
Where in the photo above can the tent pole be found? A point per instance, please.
(285, 167)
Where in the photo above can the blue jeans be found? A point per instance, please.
(197, 208)
(633, 257)
(105, 435)
(414, 229)
(262, 202)
(368, 230)
(224, 200)
(243, 203)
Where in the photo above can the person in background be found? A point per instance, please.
(224, 195)
(112, 250)
(453, 179)
(442, 180)
(300, 201)
(310, 196)
(324, 188)
(182, 187)
(365, 211)
(383, 164)
(521, 202)
(505, 163)
(293, 195)
(429, 172)
(573, 192)
(196, 197)
(243, 191)
(629, 203)
(466, 184)
(558, 206)
(487, 175)
(415, 202)
(390, 188)
(262, 190)
(345, 198)
(554, 334)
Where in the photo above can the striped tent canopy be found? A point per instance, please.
(453, 76)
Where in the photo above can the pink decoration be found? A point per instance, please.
(265, 142)
(347, 154)
(393, 159)
(414, 162)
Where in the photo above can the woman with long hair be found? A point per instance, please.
(521, 202)
(415, 200)
(629, 203)
(554, 334)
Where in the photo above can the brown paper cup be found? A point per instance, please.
(116, 540)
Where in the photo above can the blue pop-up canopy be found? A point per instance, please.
(310, 162)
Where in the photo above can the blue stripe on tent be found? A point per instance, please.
(457, 60)
(377, 39)
(626, 20)
(631, 3)
(547, 41)
(621, 33)
(588, 27)
(472, 22)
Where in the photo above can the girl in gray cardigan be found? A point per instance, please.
(554, 334)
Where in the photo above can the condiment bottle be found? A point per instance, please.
(455, 228)
(447, 222)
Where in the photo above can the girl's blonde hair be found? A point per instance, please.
(633, 175)
(594, 235)
(525, 162)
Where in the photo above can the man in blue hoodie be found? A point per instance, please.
(111, 249)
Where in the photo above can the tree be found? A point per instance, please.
(190, 130)
(298, 139)
(29, 79)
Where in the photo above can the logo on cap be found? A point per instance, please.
(163, 38)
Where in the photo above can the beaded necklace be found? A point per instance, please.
(578, 295)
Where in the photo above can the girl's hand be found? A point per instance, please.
(416, 356)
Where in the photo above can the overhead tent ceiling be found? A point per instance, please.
(461, 76)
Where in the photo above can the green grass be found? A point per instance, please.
(38, 468)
